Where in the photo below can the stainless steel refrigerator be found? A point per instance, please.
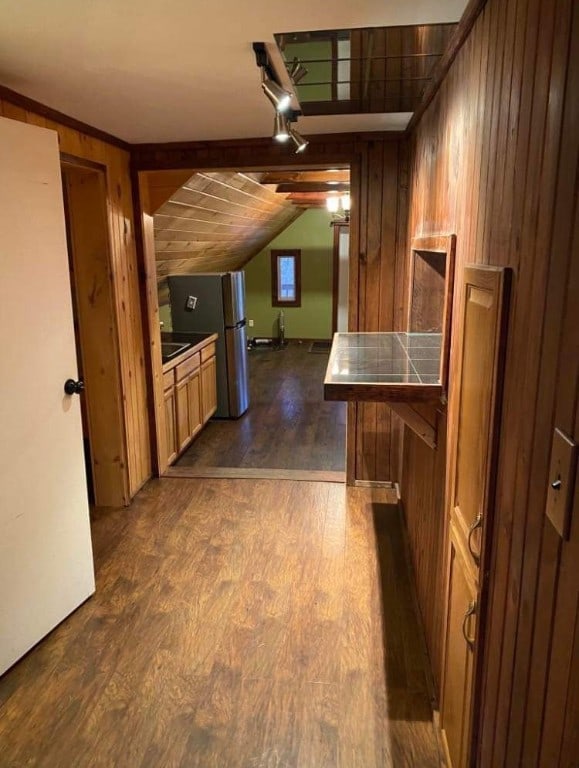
(215, 303)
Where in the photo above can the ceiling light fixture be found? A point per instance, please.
(280, 98)
(298, 140)
(333, 204)
(281, 127)
(297, 71)
(275, 93)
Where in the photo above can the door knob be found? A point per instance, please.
(72, 387)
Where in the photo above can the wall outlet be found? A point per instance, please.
(250, 323)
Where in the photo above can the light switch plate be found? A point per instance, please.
(561, 482)
(191, 302)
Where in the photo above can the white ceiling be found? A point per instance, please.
(177, 70)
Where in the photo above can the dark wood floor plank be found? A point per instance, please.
(288, 425)
(236, 623)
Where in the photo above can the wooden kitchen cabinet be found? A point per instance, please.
(188, 400)
(459, 655)
(209, 388)
(190, 396)
(170, 417)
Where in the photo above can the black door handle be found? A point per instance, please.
(72, 387)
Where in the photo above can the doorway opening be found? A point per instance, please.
(259, 222)
(93, 301)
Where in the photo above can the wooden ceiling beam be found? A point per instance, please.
(284, 177)
(314, 186)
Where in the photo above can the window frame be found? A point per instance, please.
(276, 254)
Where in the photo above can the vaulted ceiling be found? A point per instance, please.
(208, 222)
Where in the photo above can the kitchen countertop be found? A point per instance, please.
(194, 342)
(382, 367)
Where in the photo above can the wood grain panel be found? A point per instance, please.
(124, 278)
(494, 159)
(214, 221)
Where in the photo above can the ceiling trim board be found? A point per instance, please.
(461, 33)
(30, 105)
(325, 150)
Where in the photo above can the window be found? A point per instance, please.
(285, 279)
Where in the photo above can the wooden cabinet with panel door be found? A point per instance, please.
(188, 400)
(208, 382)
(170, 416)
(190, 397)
(473, 434)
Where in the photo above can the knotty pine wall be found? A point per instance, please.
(494, 159)
(137, 458)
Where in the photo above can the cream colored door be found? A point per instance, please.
(474, 440)
(46, 566)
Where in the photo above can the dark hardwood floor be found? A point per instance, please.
(236, 624)
(288, 424)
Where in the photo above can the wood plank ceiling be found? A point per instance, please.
(209, 222)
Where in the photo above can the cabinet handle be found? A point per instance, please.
(467, 614)
(476, 524)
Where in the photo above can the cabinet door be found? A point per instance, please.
(459, 656)
(474, 440)
(170, 420)
(476, 423)
(209, 389)
(182, 413)
(194, 398)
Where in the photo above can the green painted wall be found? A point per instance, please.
(313, 235)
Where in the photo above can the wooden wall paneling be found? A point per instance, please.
(386, 452)
(161, 451)
(370, 305)
(526, 365)
(358, 171)
(92, 147)
(129, 314)
(556, 56)
(97, 329)
(504, 117)
(503, 532)
(423, 505)
(558, 389)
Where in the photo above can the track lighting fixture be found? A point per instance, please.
(281, 128)
(297, 71)
(298, 140)
(280, 98)
(275, 93)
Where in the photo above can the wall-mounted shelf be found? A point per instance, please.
(407, 370)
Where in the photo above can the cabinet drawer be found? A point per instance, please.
(207, 352)
(187, 366)
(168, 380)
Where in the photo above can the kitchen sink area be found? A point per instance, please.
(170, 349)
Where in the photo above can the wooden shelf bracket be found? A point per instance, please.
(417, 422)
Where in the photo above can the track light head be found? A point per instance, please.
(281, 128)
(275, 93)
(298, 140)
(297, 71)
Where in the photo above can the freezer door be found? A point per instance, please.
(234, 297)
(237, 374)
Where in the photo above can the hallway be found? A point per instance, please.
(235, 624)
(288, 424)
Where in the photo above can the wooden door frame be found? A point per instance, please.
(247, 162)
(99, 342)
(338, 229)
